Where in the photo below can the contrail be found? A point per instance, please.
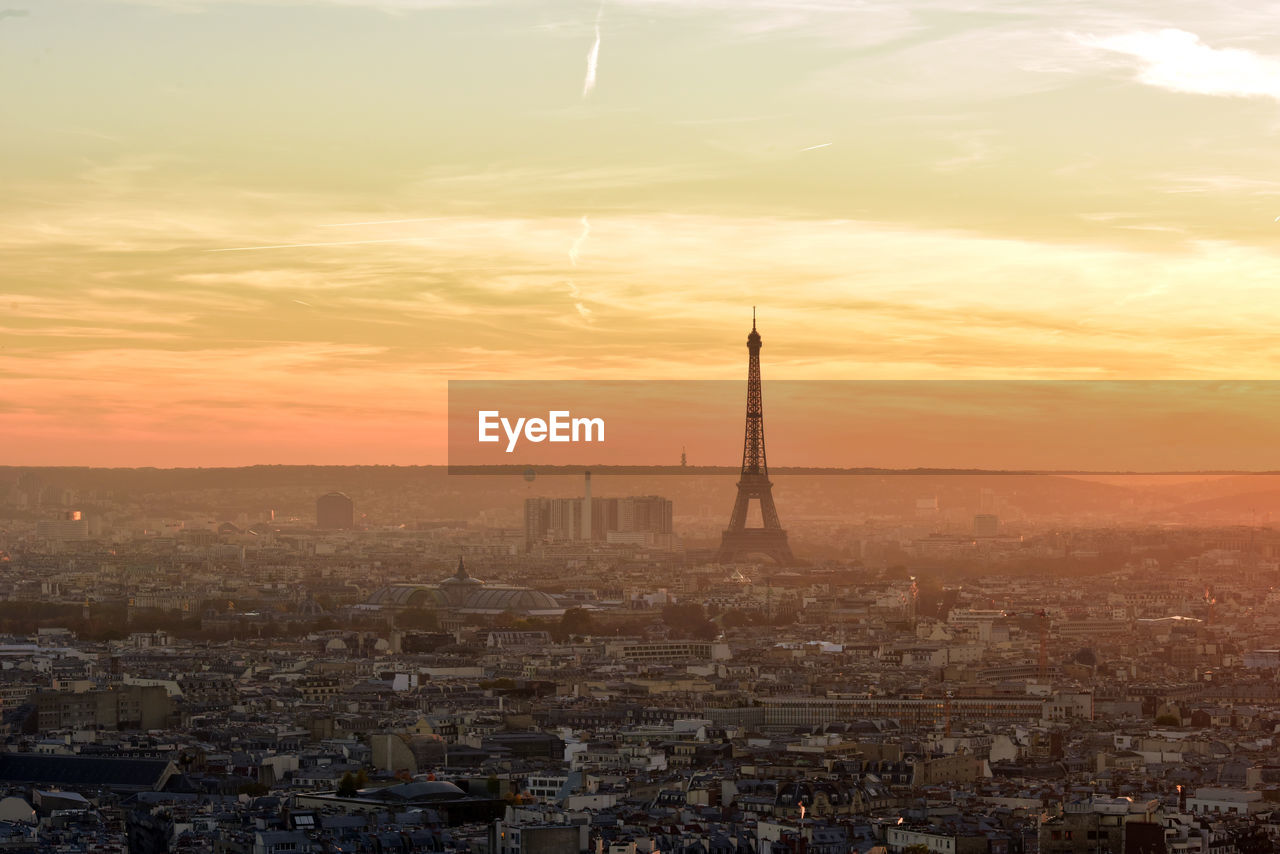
(577, 244)
(307, 304)
(574, 293)
(380, 221)
(304, 245)
(819, 145)
(593, 58)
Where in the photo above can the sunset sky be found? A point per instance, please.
(239, 232)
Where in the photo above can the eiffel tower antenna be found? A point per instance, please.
(739, 541)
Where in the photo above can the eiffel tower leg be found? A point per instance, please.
(738, 518)
(768, 512)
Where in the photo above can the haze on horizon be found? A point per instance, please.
(929, 190)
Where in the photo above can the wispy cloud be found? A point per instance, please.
(1179, 61)
(724, 120)
(378, 222)
(574, 253)
(379, 5)
(519, 181)
(976, 148)
(1235, 185)
(322, 243)
(852, 22)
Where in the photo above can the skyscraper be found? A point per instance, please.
(563, 519)
(335, 511)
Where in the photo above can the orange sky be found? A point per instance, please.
(282, 253)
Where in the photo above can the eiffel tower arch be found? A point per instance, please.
(739, 541)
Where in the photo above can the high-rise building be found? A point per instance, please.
(69, 526)
(986, 525)
(563, 519)
(335, 511)
(587, 515)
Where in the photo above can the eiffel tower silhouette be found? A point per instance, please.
(738, 540)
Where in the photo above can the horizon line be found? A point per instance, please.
(664, 469)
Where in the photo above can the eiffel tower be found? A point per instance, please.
(738, 540)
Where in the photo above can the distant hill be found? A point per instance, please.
(432, 492)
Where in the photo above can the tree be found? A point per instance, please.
(1252, 841)
(351, 784)
(575, 621)
(688, 621)
(1086, 657)
(423, 619)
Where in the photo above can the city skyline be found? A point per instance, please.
(374, 473)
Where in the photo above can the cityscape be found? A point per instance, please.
(639, 427)
(230, 660)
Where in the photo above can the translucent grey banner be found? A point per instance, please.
(861, 427)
